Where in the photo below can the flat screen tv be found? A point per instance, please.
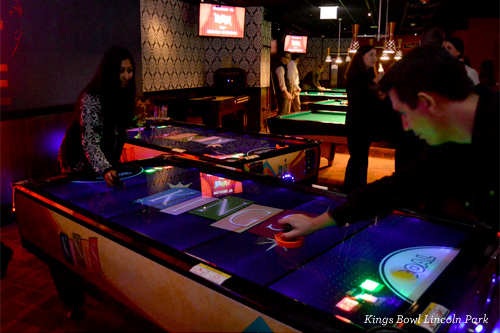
(295, 44)
(221, 21)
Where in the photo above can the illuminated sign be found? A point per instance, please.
(295, 44)
(409, 272)
(221, 21)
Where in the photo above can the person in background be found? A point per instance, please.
(487, 75)
(455, 46)
(363, 103)
(293, 77)
(104, 110)
(457, 175)
(433, 36)
(282, 86)
(312, 79)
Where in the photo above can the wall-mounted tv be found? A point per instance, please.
(295, 44)
(221, 21)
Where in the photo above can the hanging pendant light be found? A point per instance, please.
(328, 56)
(391, 45)
(385, 55)
(339, 59)
(348, 57)
(399, 52)
(380, 68)
(353, 48)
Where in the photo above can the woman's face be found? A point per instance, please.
(370, 58)
(126, 72)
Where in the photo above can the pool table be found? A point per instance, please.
(336, 90)
(327, 126)
(329, 105)
(314, 96)
(194, 247)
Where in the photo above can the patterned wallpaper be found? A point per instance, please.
(316, 54)
(175, 57)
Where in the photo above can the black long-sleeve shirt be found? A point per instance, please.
(454, 180)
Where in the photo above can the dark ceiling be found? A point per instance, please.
(411, 16)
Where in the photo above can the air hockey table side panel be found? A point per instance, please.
(173, 301)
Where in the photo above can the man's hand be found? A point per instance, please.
(303, 225)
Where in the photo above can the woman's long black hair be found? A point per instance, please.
(117, 103)
(357, 65)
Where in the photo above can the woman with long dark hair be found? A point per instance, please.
(104, 110)
(363, 101)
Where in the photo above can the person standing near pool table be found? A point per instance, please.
(457, 172)
(104, 110)
(293, 77)
(363, 103)
(282, 85)
(312, 79)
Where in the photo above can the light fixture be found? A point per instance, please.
(399, 52)
(353, 48)
(328, 56)
(348, 57)
(380, 68)
(328, 12)
(385, 55)
(391, 45)
(339, 59)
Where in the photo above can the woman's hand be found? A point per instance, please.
(378, 77)
(111, 177)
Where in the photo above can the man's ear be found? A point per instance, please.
(428, 100)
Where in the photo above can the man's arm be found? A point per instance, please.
(404, 189)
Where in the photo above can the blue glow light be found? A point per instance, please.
(488, 300)
(479, 328)
(496, 329)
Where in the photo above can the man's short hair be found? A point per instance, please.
(283, 54)
(434, 36)
(427, 69)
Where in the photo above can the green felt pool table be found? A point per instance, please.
(314, 96)
(329, 105)
(336, 90)
(327, 126)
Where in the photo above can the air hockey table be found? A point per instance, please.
(193, 247)
(269, 155)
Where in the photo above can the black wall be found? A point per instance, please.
(61, 46)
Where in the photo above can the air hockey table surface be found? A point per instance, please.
(217, 227)
(265, 154)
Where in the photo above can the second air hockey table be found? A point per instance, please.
(193, 247)
(265, 154)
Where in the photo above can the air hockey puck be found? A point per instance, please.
(298, 242)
